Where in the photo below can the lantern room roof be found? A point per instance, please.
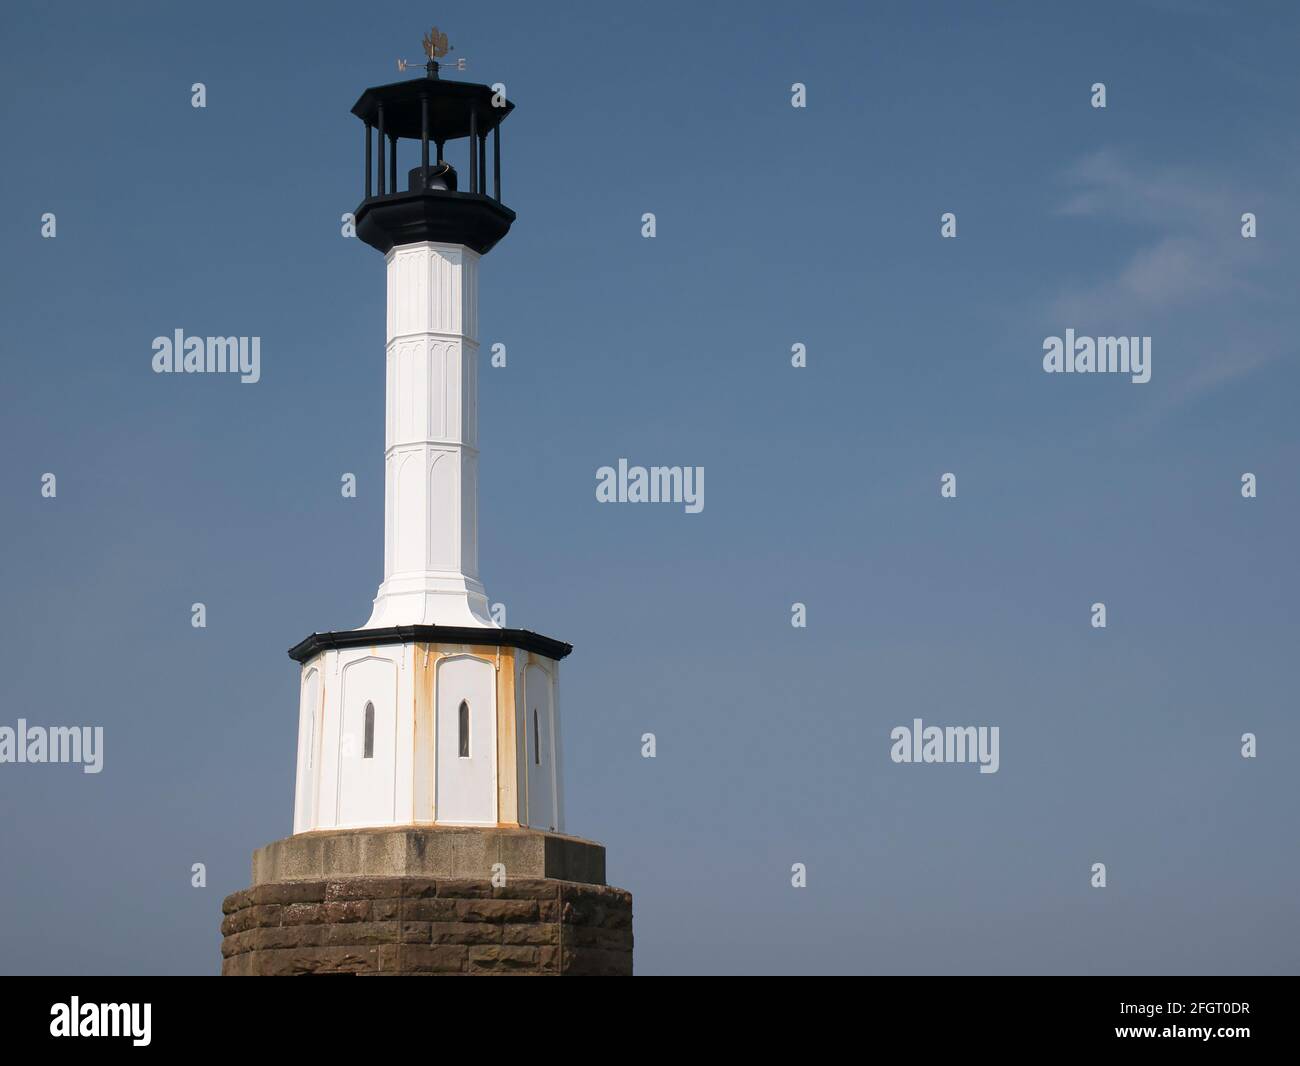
(450, 106)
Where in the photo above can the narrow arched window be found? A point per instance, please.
(311, 736)
(369, 744)
(464, 729)
(537, 747)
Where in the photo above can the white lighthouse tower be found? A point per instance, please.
(428, 821)
(430, 714)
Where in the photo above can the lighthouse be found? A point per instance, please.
(428, 816)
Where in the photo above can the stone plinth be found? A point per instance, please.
(421, 851)
(422, 901)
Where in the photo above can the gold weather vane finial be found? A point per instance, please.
(435, 47)
(435, 44)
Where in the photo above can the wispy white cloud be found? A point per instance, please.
(1186, 277)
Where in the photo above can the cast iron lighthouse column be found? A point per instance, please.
(428, 828)
(431, 441)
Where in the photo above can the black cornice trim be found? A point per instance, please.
(472, 219)
(523, 639)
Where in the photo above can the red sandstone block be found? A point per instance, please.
(429, 910)
(419, 887)
(465, 933)
(354, 910)
(236, 901)
(364, 888)
(290, 936)
(531, 888)
(530, 934)
(367, 933)
(595, 962)
(439, 958)
(496, 910)
(500, 957)
(289, 892)
(609, 910)
(289, 962)
(576, 890)
(265, 915)
(460, 889)
(386, 910)
(302, 914)
(414, 932)
(238, 965)
(617, 919)
(237, 943)
(581, 936)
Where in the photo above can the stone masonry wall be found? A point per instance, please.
(412, 925)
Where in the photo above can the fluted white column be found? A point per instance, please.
(431, 441)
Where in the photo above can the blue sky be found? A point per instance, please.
(775, 225)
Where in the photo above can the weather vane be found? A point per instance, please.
(435, 47)
(435, 44)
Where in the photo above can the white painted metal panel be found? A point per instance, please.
(304, 803)
(465, 781)
(366, 783)
(540, 758)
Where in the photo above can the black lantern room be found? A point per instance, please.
(439, 203)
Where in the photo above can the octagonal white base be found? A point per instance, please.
(383, 739)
